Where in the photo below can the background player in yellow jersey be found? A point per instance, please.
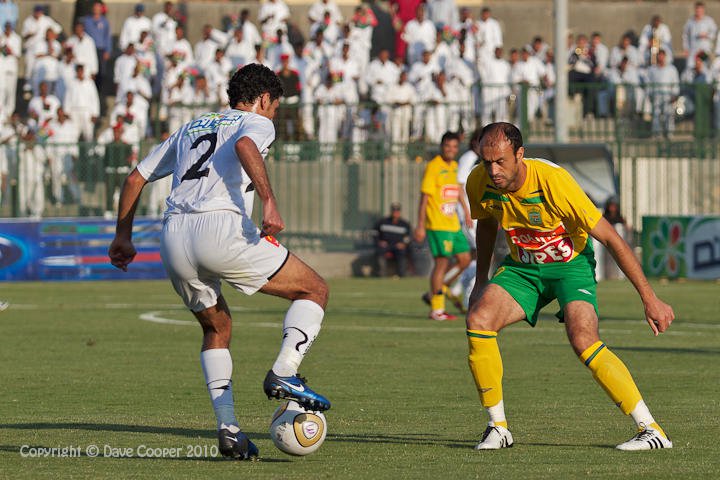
(438, 220)
(546, 218)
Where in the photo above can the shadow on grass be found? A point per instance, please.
(433, 440)
(691, 351)
(115, 427)
(367, 438)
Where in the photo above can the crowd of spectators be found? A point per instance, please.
(445, 70)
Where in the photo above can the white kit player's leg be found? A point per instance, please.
(309, 293)
(300, 327)
(217, 367)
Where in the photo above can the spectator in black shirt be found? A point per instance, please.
(287, 119)
(393, 236)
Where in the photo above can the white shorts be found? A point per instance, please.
(200, 249)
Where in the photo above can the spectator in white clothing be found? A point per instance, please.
(163, 28)
(318, 9)
(663, 88)
(699, 32)
(380, 74)
(124, 65)
(133, 25)
(33, 32)
(10, 48)
(46, 61)
(627, 96)
(443, 13)
(83, 47)
(490, 36)
(273, 16)
(420, 34)
(42, 107)
(62, 152)
(496, 80)
(538, 48)
(212, 39)
(625, 49)
(181, 50)
(218, 75)
(402, 98)
(436, 116)
(250, 31)
(239, 51)
(134, 113)
(82, 103)
(31, 172)
(653, 37)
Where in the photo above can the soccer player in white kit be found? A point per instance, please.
(217, 163)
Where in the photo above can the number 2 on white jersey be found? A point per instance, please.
(194, 171)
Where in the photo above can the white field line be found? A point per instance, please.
(157, 317)
(164, 317)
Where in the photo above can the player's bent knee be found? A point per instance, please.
(479, 318)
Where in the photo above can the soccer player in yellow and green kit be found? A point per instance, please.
(547, 220)
(438, 220)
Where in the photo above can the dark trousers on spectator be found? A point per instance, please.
(388, 253)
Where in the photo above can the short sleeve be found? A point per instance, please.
(161, 160)
(571, 202)
(428, 181)
(475, 188)
(260, 130)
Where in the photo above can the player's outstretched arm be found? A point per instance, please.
(658, 314)
(486, 233)
(422, 212)
(122, 252)
(253, 164)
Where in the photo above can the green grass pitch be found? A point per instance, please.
(82, 365)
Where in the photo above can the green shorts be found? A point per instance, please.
(534, 286)
(447, 244)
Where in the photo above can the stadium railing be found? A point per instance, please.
(331, 193)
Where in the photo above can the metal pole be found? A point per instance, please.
(561, 85)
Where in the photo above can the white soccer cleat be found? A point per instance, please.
(646, 439)
(494, 438)
(4, 305)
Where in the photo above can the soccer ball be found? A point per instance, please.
(297, 431)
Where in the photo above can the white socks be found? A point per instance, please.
(497, 413)
(641, 414)
(301, 326)
(217, 367)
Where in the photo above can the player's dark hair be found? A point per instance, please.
(251, 81)
(447, 136)
(508, 130)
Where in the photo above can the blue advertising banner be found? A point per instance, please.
(74, 249)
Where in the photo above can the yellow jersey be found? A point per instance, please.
(545, 221)
(441, 186)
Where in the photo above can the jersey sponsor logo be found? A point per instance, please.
(535, 216)
(448, 209)
(450, 192)
(535, 246)
(272, 240)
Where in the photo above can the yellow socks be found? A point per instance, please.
(437, 302)
(613, 376)
(487, 371)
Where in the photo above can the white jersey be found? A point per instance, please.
(207, 174)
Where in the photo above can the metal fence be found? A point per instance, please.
(330, 193)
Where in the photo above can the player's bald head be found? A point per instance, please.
(499, 133)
